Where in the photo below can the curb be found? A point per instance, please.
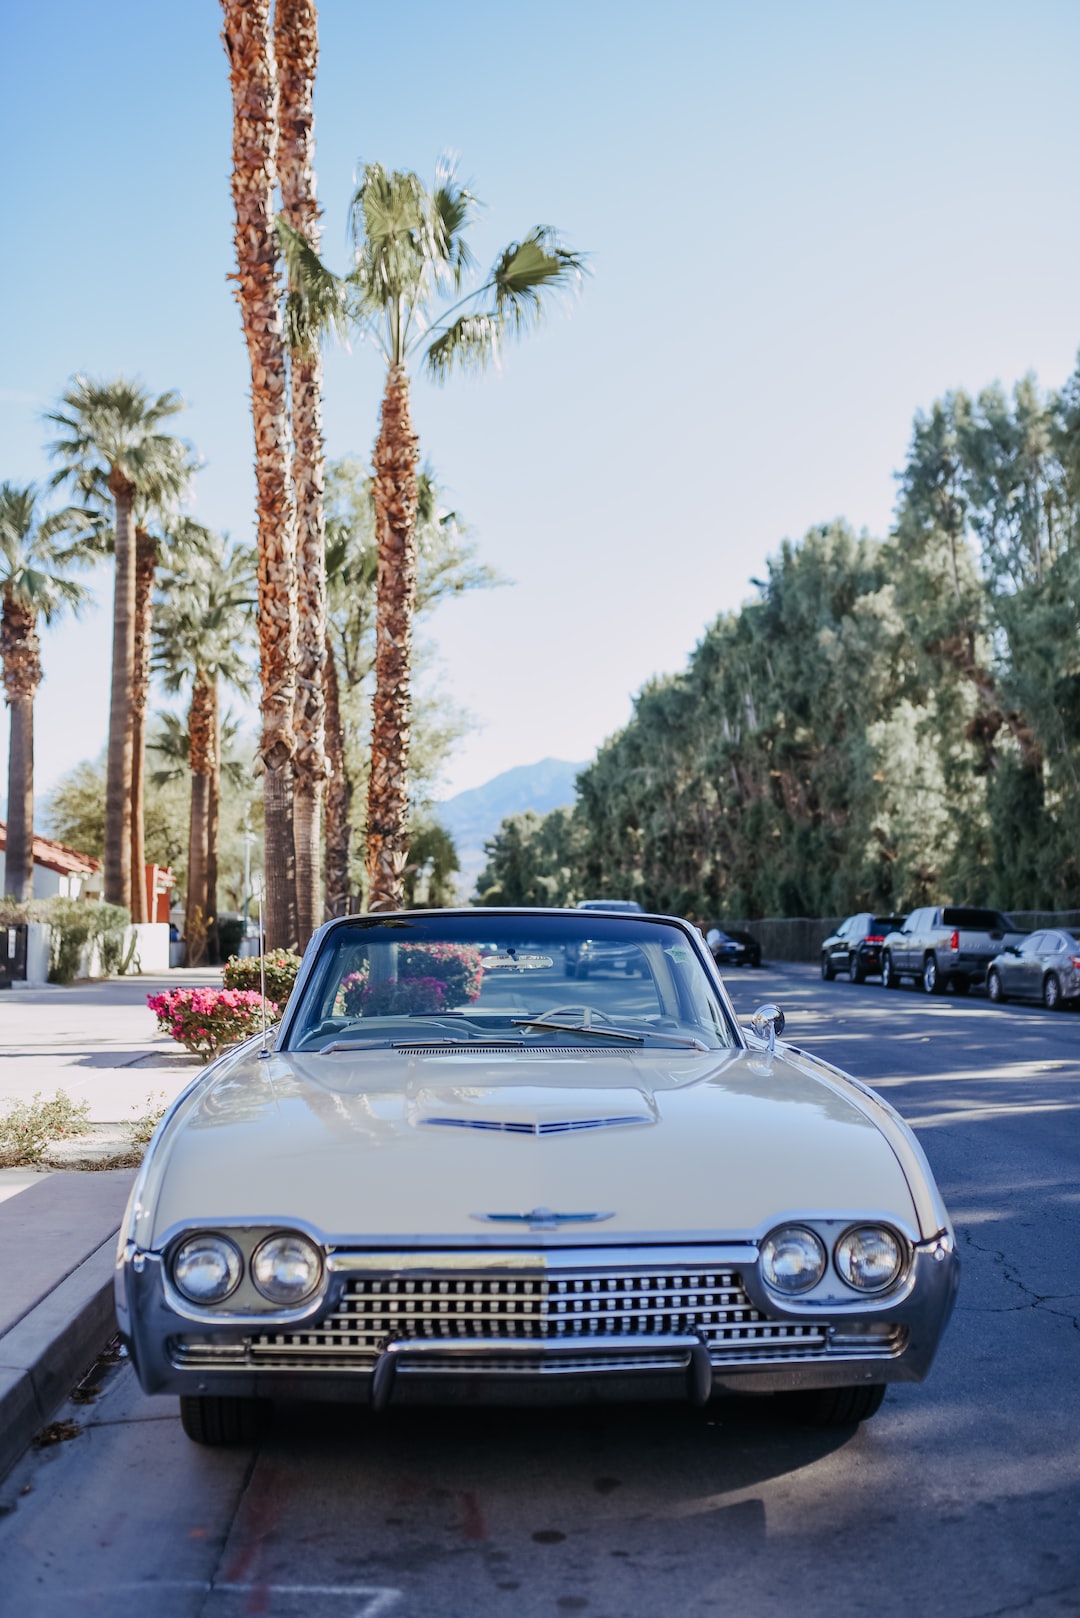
(42, 1357)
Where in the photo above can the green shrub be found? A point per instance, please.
(27, 1127)
(75, 924)
(142, 1127)
(281, 969)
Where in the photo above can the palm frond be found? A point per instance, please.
(526, 270)
(453, 207)
(470, 344)
(316, 302)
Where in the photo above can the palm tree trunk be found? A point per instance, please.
(201, 736)
(339, 792)
(20, 653)
(213, 815)
(254, 94)
(395, 518)
(118, 769)
(146, 557)
(296, 49)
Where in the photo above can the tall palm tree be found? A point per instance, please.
(404, 294)
(296, 50)
(36, 554)
(199, 633)
(111, 444)
(254, 95)
(447, 565)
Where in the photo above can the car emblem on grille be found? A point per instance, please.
(542, 1218)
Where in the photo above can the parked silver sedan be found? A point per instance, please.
(1045, 966)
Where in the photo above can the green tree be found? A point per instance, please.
(111, 446)
(37, 552)
(405, 296)
(201, 627)
(447, 565)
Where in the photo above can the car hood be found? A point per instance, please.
(388, 1146)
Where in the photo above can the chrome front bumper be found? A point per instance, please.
(781, 1347)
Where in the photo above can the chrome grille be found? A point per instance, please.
(620, 1308)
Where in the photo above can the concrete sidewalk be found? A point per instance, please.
(97, 1041)
(58, 1228)
(57, 1248)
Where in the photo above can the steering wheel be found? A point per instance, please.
(586, 1014)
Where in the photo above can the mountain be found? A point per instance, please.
(472, 817)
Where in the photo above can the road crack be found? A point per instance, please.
(1032, 1299)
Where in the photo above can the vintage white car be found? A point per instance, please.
(449, 1174)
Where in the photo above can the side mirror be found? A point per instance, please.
(768, 1023)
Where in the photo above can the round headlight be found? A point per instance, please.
(207, 1269)
(286, 1269)
(792, 1259)
(869, 1258)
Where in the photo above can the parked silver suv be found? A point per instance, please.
(949, 946)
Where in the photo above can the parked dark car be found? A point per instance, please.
(1046, 967)
(948, 947)
(591, 955)
(855, 947)
(732, 947)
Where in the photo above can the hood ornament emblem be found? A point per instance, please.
(542, 1218)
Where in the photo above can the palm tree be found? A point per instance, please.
(447, 565)
(111, 444)
(199, 633)
(296, 50)
(34, 584)
(254, 94)
(404, 294)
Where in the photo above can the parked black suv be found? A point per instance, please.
(855, 947)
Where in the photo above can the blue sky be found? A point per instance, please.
(805, 221)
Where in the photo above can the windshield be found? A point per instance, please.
(553, 979)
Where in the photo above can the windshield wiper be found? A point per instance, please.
(576, 1028)
(612, 1033)
(388, 1044)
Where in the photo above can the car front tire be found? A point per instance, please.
(222, 1420)
(994, 990)
(834, 1407)
(570, 969)
(827, 970)
(890, 978)
(1052, 992)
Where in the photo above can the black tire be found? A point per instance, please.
(1052, 992)
(582, 970)
(570, 969)
(890, 978)
(834, 1407)
(931, 978)
(828, 971)
(755, 958)
(856, 970)
(994, 991)
(219, 1420)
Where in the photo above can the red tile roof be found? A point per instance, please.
(57, 856)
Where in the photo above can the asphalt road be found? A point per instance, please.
(961, 1498)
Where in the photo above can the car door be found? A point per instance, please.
(909, 951)
(1025, 968)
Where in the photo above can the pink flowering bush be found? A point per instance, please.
(205, 1021)
(395, 999)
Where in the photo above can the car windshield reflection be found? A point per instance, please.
(565, 979)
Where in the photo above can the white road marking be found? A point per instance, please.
(377, 1599)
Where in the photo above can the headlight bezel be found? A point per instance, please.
(298, 1238)
(899, 1267)
(235, 1270)
(773, 1238)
